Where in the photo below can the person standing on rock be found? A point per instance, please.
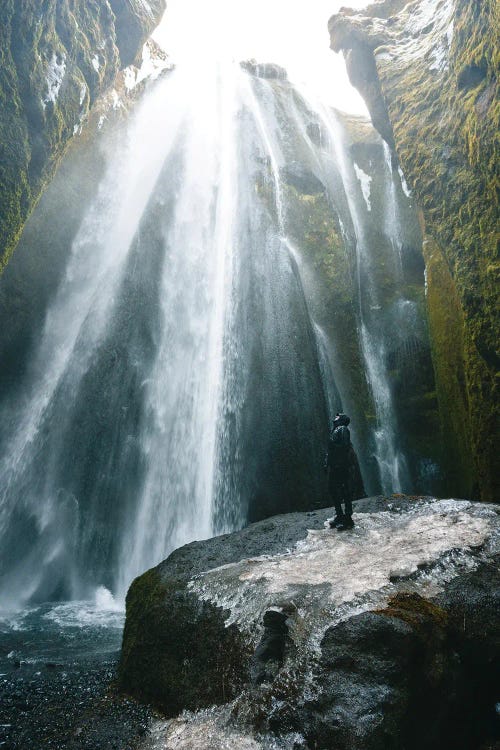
(338, 468)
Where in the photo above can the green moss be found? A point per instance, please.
(177, 652)
(447, 138)
(314, 227)
(446, 322)
(34, 132)
(14, 144)
(147, 592)
(311, 223)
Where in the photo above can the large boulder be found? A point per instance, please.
(429, 75)
(383, 637)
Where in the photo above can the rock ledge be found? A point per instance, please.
(311, 638)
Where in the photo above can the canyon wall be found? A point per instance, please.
(428, 72)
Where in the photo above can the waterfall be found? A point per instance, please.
(182, 392)
(179, 336)
(184, 377)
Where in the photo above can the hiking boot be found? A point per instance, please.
(346, 523)
(335, 522)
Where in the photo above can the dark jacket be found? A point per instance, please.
(339, 444)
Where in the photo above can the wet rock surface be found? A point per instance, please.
(265, 70)
(296, 175)
(310, 638)
(401, 676)
(134, 21)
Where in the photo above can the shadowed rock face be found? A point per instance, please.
(323, 639)
(134, 20)
(400, 676)
(428, 72)
(55, 63)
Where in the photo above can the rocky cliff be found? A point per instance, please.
(56, 58)
(291, 635)
(429, 74)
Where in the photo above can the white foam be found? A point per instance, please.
(105, 601)
(212, 729)
(102, 611)
(341, 570)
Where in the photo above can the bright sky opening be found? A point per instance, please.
(293, 34)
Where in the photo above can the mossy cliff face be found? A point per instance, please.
(55, 59)
(428, 71)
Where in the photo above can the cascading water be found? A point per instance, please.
(183, 380)
(391, 462)
(182, 392)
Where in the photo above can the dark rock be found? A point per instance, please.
(135, 20)
(471, 76)
(358, 40)
(270, 653)
(164, 661)
(187, 632)
(235, 618)
(314, 132)
(380, 673)
(77, 710)
(303, 180)
(270, 71)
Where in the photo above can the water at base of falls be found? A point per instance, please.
(56, 663)
(183, 380)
